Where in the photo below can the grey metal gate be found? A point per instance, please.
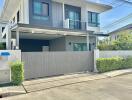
(42, 64)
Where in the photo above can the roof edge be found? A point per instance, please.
(4, 7)
(108, 7)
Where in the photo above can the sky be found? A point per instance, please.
(118, 12)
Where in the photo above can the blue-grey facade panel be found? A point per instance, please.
(57, 14)
(40, 22)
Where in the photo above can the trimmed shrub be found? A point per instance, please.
(127, 63)
(17, 73)
(109, 64)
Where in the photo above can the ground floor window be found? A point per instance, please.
(80, 46)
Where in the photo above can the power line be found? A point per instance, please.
(128, 1)
(118, 3)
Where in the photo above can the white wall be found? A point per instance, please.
(23, 8)
(5, 75)
(108, 54)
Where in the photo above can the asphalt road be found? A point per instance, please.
(117, 88)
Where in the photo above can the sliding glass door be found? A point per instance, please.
(73, 13)
(74, 18)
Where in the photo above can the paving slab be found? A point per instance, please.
(44, 84)
(48, 83)
(118, 72)
(56, 78)
(115, 88)
(12, 91)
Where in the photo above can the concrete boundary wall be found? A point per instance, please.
(121, 53)
(6, 57)
(109, 54)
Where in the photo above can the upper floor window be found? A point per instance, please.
(14, 20)
(93, 19)
(18, 16)
(40, 10)
(3, 29)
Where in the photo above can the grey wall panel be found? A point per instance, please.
(57, 14)
(57, 44)
(42, 64)
(70, 40)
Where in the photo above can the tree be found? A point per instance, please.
(124, 42)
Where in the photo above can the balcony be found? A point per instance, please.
(75, 24)
(79, 25)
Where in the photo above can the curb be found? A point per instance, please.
(117, 73)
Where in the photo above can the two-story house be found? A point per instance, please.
(52, 25)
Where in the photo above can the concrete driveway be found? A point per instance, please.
(117, 88)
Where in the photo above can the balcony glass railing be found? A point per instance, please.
(93, 24)
(76, 24)
(79, 25)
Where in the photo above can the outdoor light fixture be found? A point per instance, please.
(33, 32)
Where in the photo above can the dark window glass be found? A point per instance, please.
(93, 19)
(80, 46)
(3, 29)
(18, 16)
(74, 20)
(37, 8)
(14, 20)
(40, 10)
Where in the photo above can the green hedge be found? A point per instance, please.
(115, 63)
(127, 63)
(17, 73)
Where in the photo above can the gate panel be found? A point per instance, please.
(42, 64)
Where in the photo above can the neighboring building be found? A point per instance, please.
(2, 27)
(115, 34)
(123, 25)
(52, 25)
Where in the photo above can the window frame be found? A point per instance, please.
(2, 29)
(40, 15)
(81, 45)
(90, 20)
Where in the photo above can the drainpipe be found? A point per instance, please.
(17, 38)
(63, 9)
(8, 37)
(87, 41)
(96, 42)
